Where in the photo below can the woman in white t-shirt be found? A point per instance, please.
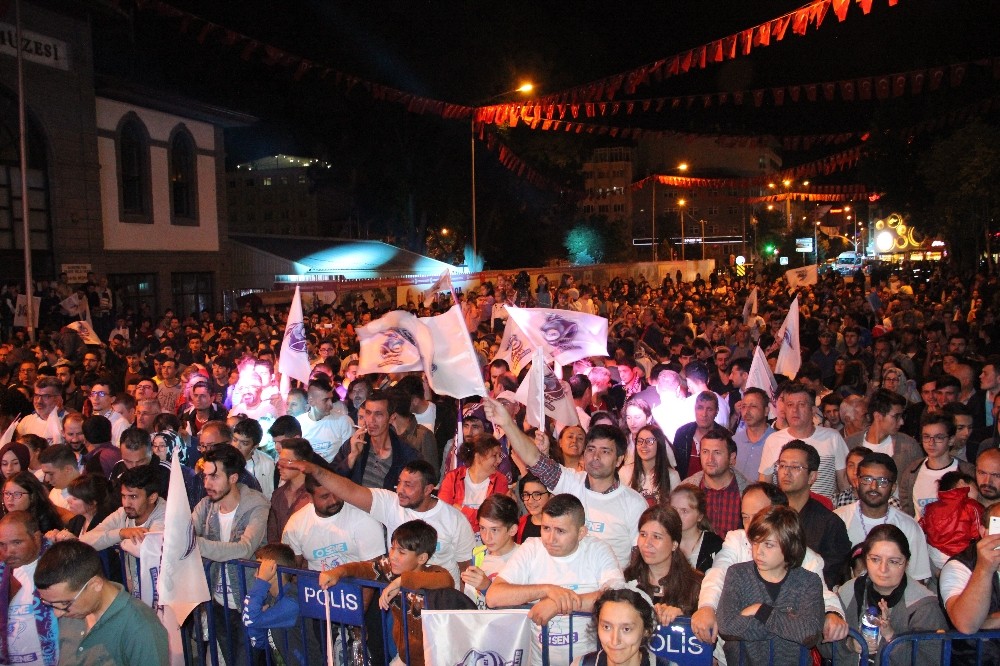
(466, 486)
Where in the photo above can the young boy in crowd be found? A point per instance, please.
(267, 607)
(413, 543)
(497, 517)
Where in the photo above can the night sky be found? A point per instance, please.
(467, 51)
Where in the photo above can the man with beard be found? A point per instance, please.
(142, 511)
(988, 476)
(32, 626)
(413, 500)
(876, 481)
(328, 532)
(230, 523)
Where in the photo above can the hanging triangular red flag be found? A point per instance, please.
(865, 89)
(898, 85)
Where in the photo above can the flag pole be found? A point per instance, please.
(25, 221)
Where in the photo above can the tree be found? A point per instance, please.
(962, 172)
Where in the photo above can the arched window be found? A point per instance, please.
(133, 171)
(11, 210)
(183, 178)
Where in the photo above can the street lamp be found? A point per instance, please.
(523, 88)
(680, 207)
(816, 241)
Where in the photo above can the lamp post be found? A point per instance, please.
(816, 241)
(680, 207)
(524, 88)
(702, 239)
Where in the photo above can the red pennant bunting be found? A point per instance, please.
(840, 8)
(800, 22)
(917, 82)
(758, 97)
(701, 57)
(937, 75)
(865, 89)
(828, 90)
(205, 32)
(763, 35)
(723, 98)
(686, 62)
(847, 90)
(882, 87)
(779, 96)
(301, 70)
(746, 41)
(957, 74)
(729, 46)
(250, 48)
(898, 85)
(779, 26)
(738, 98)
(811, 92)
(866, 6)
(716, 51)
(794, 92)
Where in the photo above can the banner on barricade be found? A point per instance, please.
(345, 601)
(472, 638)
(677, 644)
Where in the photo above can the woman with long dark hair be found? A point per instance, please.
(651, 474)
(660, 567)
(466, 487)
(24, 492)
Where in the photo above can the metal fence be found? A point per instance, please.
(215, 634)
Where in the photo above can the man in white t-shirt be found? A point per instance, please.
(325, 430)
(328, 532)
(970, 587)
(562, 572)
(21, 546)
(411, 501)
(876, 483)
(885, 411)
(798, 404)
(48, 401)
(612, 508)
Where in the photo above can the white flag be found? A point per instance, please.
(71, 306)
(395, 342)
(181, 584)
(53, 427)
(515, 347)
(8, 434)
(476, 637)
(452, 367)
(85, 331)
(542, 390)
(802, 276)
(565, 335)
(443, 284)
(761, 377)
(790, 354)
(750, 307)
(293, 360)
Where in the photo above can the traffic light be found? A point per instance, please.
(768, 249)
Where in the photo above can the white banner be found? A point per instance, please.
(565, 335)
(393, 343)
(21, 311)
(515, 347)
(542, 390)
(790, 354)
(85, 331)
(454, 368)
(443, 284)
(477, 638)
(150, 555)
(802, 276)
(182, 584)
(293, 361)
(761, 377)
(750, 307)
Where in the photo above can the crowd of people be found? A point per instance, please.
(858, 496)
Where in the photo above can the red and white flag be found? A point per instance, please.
(544, 394)
(293, 360)
(565, 335)
(790, 353)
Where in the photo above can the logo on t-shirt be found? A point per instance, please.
(594, 526)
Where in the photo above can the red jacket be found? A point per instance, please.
(952, 522)
(453, 491)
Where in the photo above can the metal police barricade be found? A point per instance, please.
(946, 638)
(677, 644)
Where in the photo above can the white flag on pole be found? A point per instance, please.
(443, 284)
(474, 638)
(750, 307)
(395, 342)
(545, 395)
(293, 360)
(452, 367)
(53, 427)
(8, 434)
(790, 353)
(85, 331)
(761, 377)
(181, 584)
(515, 347)
(565, 335)
(802, 276)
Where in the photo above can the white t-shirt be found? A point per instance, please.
(327, 435)
(491, 566)
(925, 486)
(455, 539)
(591, 567)
(475, 493)
(612, 517)
(428, 417)
(226, 525)
(23, 644)
(33, 424)
(858, 528)
(58, 497)
(954, 578)
(832, 451)
(349, 536)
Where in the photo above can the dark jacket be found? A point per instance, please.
(826, 534)
(401, 455)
